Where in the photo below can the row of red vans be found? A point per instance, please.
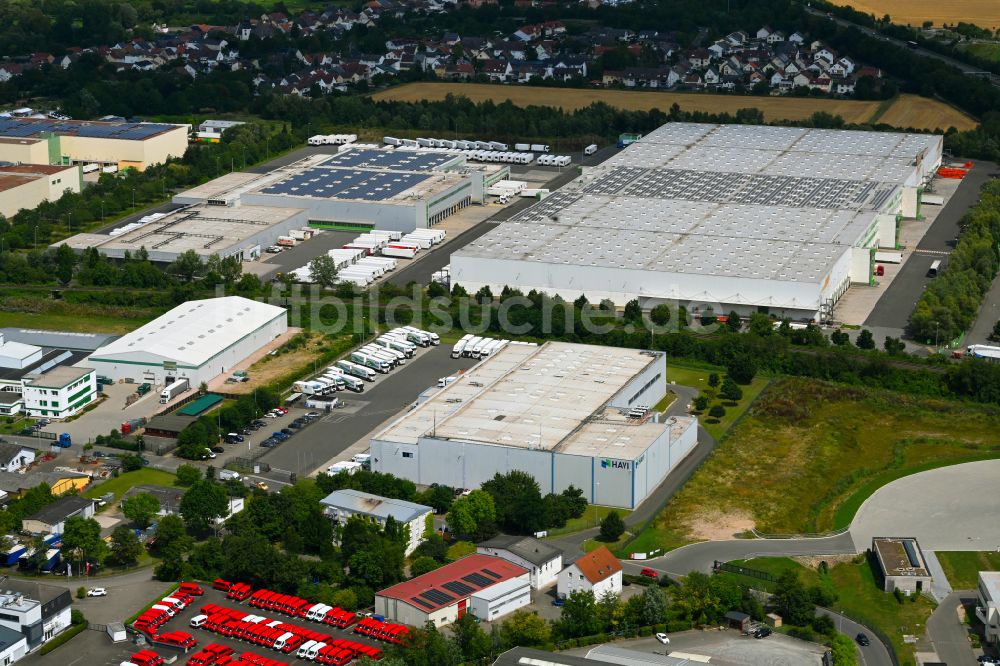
(145, 658)
(192, 589)
(237, 591)
(253, 659)
(382, 631)
(302, 608)
(341, 651)
(212, 654)
(175, 638)
(164, 609)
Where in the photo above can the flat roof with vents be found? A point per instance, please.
(552, 397)
(191, 333)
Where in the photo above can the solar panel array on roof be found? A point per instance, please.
(489, 572)
(346, 184)
(459, 588)
(437, 597)
(395, 160)
(477, 579)
(22, 127)
(423, 603)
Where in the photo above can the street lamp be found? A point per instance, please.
(69, 222)
(935, 335)
(133, 197)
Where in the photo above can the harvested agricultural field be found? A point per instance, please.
(918, 112)
(984, 13)
(925, 113)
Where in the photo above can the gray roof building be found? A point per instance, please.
(356, 502)
(527, 548)
(50, 519)
(87, 342)
(169, 498)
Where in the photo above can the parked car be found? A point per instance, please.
(649, 573)
(269, 442)
(218, 449)
(762, 632)
(97, 592)
(288, 431)
(863, 640)
(262, 486)
(663, 638)
(558, 601)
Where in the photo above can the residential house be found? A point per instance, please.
(496, 70)
(51, 519)
(700, 58)
(598, 571)
(15, 457)
(775, 37)
(764, 33)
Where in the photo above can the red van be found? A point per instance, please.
(220, 584)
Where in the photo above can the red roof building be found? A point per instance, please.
(446, 594)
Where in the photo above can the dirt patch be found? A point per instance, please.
(812, 561)
(715, 526)
(263, 368)
(924, 113)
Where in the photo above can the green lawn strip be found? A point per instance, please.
(860, 597)
(668, 400)
(774, 566)
(651, 538)
(850, 506)
(166, 593)
(985, 51)
(121, 483)
(74, 323)
(594, 544)
(16, 424)
(882, 108)
(962, 567)
(591, 517)
(694, 376)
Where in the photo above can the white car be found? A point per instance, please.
(97, 592)
(210, 453)
(663, 638)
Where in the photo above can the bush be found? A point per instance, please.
(65, 636)
(717, 411)
(81, 592)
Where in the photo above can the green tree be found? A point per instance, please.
(323, 270)
(65, 262)
(187, 266)
(660, 315)
(633, 311)
(894, 346)
(654, 605)
(733, 322)
(612, 527)
(125, 547)
(865, 339)
(518, 501)
(140, 508)
(839, 338)
(171, 537)
(525, 628)
(202, 504)
(473, 516)
(472, 641)
(713, 379)
(579, 615)
(188, 475)
(717, 411)
(701, 403)
(742, 369)
(82, 540)
(730, 390)
(843, 651)
(995, 335)
(792, 599)
(422, 565)
(761, 325)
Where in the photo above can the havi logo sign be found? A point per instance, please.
(608, 463)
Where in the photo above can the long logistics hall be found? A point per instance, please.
(724, 217)
(568, 414)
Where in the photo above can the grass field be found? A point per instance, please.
(984, 50)
(698, 378)
(807, 448)
(925, 113)
(963, 567)
(858, 596)
(984, 13)
(774, 108)
(119, 484)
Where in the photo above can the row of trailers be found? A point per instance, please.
(370, 256)
(332, 139)
(380, 356)
(461, 144)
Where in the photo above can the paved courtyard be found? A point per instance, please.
(943, 508)
(730, 648)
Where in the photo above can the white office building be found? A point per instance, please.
(988, 605)
(342, 505)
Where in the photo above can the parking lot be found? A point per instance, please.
(730, 648)
(94, 648)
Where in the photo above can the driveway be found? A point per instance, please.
(948, 634)
(728, 648)
(942, 508)
(875, 653)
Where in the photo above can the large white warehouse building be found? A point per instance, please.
(559, 412)
(198, 340)
(724, 217)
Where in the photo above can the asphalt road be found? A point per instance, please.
(894, 308)
(363, 412)
(304, 252)
(949, 636)
(876, 653)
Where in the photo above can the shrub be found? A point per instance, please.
(81, 592)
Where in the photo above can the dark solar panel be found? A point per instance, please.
(459, 588)
(492, 573)
(422, 602)
(477, 579)
(437, 597)
(21, 127)
(346, 184)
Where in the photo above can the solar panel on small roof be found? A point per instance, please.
(437, 597)
(477, 579)
(422, 603)
(489, 572)
(459, 588)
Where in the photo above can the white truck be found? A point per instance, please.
(590, 150)
(356, 370)
(400, 250)
(523, 147)
(435, 339)
(456, 351)
(171, 391)
(539, 148)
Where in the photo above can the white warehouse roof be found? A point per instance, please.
(194, 332)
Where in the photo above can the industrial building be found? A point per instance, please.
(487, 587)
(120, 144)
(31, 614)
(342, 505)
(43, 382)
(28, 185)
(197, 340)
(51, 519)
(724, 217)
(988, 605)
(397, 190)
(211, 131)
(565, 413)
(242, 232)
(902, 564)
